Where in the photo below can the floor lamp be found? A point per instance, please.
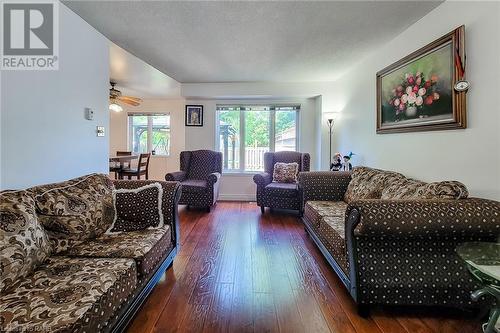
(330, 127)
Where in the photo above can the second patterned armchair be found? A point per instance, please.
(280, 195)
(199, 177)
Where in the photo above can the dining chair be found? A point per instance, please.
(117, 166)
(142, 168)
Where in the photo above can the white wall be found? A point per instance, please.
(471, 156)
(44, 135)
(158, 165)
(241, 186)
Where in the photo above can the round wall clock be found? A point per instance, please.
(462, 85)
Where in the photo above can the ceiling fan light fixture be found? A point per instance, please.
(115, 107)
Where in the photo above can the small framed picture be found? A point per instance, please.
(194, 115)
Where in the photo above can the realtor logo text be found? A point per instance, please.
(29, 35)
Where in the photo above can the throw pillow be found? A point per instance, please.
(74, 210)
(137, 209)
(23, 242)
(285, 172)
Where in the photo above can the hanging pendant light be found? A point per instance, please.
(115, 107)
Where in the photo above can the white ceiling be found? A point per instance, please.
(251, 41)
(135, 77)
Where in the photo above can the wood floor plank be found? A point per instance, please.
(242, 304)
(386, 322)
(414, 325)
(145, 320)
(311, 255)
(219, 314)
(286, 306)
(240, 271)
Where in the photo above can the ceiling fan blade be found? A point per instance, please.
(131, 98)
(129, 102)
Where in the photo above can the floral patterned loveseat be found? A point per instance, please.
(392, 239)
(60, 271)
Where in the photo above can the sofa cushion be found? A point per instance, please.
(146, 247)
(23, 242)
(284, 190)
(414, 189)
(285, 172)
(137, 209)
(368, 183)
(327, 218)
(332, 235)
(328, 208)
(68, 295)
(75, 210)
(194, 185)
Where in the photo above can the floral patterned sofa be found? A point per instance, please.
(60, 271)
(392, 239)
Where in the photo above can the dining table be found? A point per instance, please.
(122, 159)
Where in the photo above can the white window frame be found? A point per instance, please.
(150, 130)
(272, 130)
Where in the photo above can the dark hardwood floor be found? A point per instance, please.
(240, 271)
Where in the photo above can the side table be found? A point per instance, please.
(483, 262)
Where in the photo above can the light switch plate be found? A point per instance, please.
(89, 114)
(100, 130)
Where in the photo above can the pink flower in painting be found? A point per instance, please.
(412, 97)
(404, 98)
(415, 90)
(419, 100)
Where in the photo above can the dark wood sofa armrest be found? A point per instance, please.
(324, 185)
(178, 176)
(429, 219)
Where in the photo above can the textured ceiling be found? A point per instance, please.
(250, 41)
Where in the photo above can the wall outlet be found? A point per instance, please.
(89, 114)
(100, 130)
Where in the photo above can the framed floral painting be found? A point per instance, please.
(417, 93)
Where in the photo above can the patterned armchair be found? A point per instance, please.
(199, 177)
(280, 195)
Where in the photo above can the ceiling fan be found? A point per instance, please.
(115, 96)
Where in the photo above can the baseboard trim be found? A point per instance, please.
(236, 197)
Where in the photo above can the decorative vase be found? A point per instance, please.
(411, 111)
